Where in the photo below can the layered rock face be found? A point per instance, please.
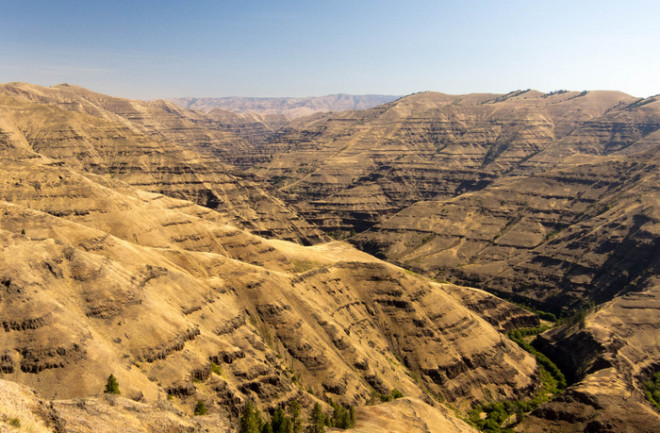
(147, 145)
(612, 354)
(106, 269)
(487, 190)
(130, 246)
(156, 289)
(556, 238)
(351, 169)
(551, 200)
(255, 129)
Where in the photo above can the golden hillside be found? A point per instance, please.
(135, 244)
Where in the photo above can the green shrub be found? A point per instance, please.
(385, 398)
(394, 394)
(543, 360)
(200, 408)
(111, 386)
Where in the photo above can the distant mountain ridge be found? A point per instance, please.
(290, 107)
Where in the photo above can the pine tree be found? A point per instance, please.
(296, 420)
(277, 420)
(317, 420)
(287, 425)
(111, 386)
(251, 421)
(281, 422)
(267, 428)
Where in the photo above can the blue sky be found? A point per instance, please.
(152, 49)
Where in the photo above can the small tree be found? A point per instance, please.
(267, 428)
(342, 417)
(111, 386)
(251, 421)
(200, 408)
(281, 422)
(296, 420)
(317, 420)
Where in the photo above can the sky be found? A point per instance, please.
(156, 49)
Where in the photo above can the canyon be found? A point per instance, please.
(224, 255)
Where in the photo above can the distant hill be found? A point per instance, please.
(290, 107)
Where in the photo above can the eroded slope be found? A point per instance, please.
(351, 169)
(135, 142)
(98, 277)
(612, 354)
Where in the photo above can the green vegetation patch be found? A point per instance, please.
(280, 421)
(111, 385)
(543, 360)
(501, 415)
(498, 417)
(652, 389)
(200, 408)
(302, 266)
(579, 316)
(342, 416)
(393, 395)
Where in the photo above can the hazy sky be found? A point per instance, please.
(152, 49)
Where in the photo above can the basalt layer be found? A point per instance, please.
(105, 269)
(131, 246)
(548, 199)
(351, 169)
(89, 290)
(544, 196)
(612, 353)
(148, 145)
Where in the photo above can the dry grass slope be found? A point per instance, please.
(130, 246)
